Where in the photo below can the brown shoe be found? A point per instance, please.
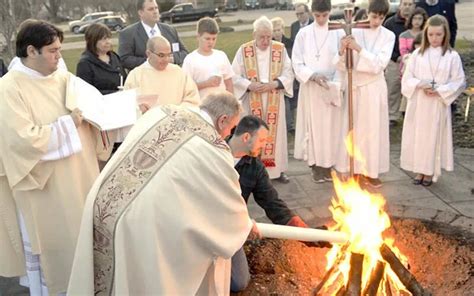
(373, 182)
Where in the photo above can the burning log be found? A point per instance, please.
(388, 287)
(403, 274)
(341, 257)
(354, 284)
(375, 279)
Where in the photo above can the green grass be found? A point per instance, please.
(227, 42)
(80, 37)
(463, 45)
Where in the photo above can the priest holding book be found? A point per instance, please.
(48, 163)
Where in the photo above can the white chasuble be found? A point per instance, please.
(49, 194)
(286, 77)
(165, 215)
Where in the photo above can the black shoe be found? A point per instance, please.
(317, 175)
(427, 183)
(417, 180)
(283, 178)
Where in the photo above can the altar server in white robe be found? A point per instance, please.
(433, 79)
(263, 75)
(372, 49)
(319, 120)
(48, 163)
(165, 215)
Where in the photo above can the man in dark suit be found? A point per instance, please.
(304, 18)
(133, 39)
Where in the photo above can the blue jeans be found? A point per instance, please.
(239, 274)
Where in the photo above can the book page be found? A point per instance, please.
(107, 112)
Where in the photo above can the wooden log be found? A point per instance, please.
(405, 276)
(354, 284)
(374, 281)
(341, 291)
(341, 256)
(388, 287)
(332, 287)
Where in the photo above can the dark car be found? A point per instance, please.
(114, 23)
(87, 19)
(231, 5)
(186, 12)
(252, 4)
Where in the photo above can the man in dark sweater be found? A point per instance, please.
(248, 140)
(396, 24)
(445, 8)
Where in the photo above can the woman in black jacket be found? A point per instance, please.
(99, 65)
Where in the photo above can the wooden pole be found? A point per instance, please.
(349, 66)
(341, 256)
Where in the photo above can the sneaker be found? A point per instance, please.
(317, 174)
(327, 175)
(373, 182)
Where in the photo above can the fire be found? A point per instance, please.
(360, 214)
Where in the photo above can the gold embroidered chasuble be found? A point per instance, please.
(150, 223)
(256, 105)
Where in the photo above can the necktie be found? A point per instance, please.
(152, 32)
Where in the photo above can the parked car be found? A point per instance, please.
(186, 12)
(231, 5)
(283, 5)
(338, 6)
(252, 4)
(114, 23)
(394, 4)
(88, 18)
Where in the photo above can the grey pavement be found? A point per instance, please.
(450, 200)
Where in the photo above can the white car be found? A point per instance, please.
(88, 18)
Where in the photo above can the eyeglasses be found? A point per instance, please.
(163, 55)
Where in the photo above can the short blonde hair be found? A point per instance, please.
(278, 21)
(262, 22)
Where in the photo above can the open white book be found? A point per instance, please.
(105, 112)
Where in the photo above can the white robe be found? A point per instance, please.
(177, 236)
(319, 115)
(371, 133)
(241, 84)
(427, 139)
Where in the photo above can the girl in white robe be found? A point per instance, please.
(433, 79)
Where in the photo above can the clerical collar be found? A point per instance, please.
(20, 67)
(148, 30)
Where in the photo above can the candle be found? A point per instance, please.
(301, 234)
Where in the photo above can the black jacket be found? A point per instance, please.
(396, 24)
(295, 28)
(3, 68)
(445, 8)
(105, 77)
(254, 179)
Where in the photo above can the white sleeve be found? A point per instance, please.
(227, 67)
(64, 140)
(376, 63)
(456, 83)
(302, 72)
(241, 83)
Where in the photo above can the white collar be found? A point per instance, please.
(148, 29)
(206, 117)
(20, 67)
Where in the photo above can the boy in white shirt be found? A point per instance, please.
(209, 68)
